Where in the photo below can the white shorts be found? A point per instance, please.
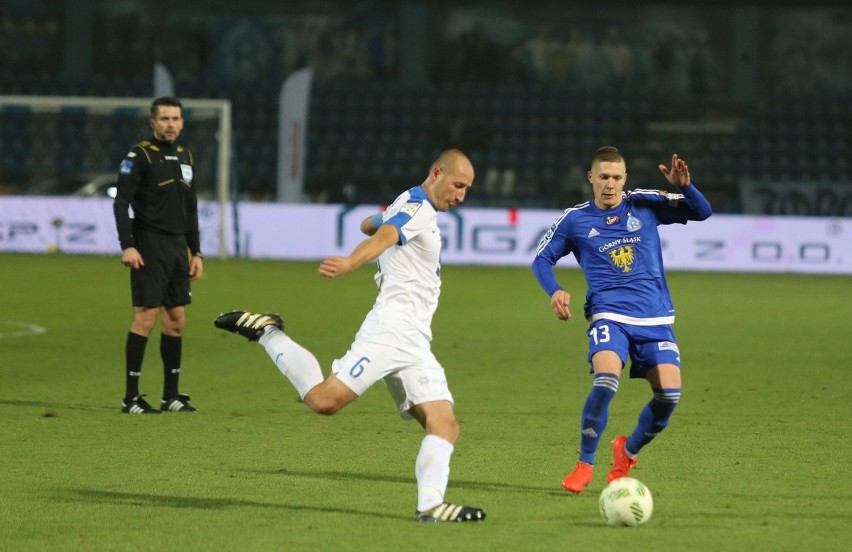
(412, 375)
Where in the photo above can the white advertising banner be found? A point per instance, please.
(480, 236)
(740, 243)
(31, 224)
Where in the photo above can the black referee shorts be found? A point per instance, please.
(163, 281)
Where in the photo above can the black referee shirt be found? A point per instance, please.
(156, 180)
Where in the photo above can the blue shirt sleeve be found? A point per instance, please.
(688, 204)
(554, 245)
(543, 271)
(697, 204)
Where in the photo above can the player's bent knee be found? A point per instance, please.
(320, 407)
(327, 399)
(322, 404)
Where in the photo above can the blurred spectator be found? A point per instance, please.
(619, 54)
(293, 42)
(470, 58)
(245, 51)
(468, 132)
(540, 53)
(350, 53)
(576, 51)
(337, 186)
(593, 71)
(700, 66)
(382, 52)
(31, 44)
(682, 63)
(808, 50)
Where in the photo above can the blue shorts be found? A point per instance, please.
(646, 346)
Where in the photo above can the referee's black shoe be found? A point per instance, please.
(137, 405)
(247, 324)
(177, 404)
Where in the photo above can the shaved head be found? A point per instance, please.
(450, 177)
(451, 159)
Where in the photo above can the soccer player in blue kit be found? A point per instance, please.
(393, 344)
(615, 240)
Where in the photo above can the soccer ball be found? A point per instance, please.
(626, 501)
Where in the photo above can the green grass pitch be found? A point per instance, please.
(756, 456)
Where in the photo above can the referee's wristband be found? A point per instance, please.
(376, 221)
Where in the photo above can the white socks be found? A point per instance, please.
(297, 363)
(433, 471)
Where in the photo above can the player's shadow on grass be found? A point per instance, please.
(201, 503)
(384, 478)
(52, 406)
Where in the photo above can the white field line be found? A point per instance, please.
(14, 328)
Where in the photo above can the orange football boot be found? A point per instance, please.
(621, 463)
(578, 479)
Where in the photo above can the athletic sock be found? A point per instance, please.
(432, 469)
(170, 352)
(653, 419)
(595, 415)
(134, 353)
(294, 361)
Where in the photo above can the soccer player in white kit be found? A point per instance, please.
(393, 343)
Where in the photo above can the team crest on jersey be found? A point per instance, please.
(410, 208)
(622, 257)
(633, 223)
(612, 219)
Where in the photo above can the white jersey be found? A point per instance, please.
(409, 276)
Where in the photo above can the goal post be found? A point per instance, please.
(46, 138)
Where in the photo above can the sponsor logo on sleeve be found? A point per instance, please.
(410, 208)
(126, 166)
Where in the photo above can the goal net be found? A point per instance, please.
(66, 145)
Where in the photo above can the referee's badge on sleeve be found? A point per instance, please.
(186, 170)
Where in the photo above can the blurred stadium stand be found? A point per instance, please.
(376, 120)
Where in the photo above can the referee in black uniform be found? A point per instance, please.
(160, 243)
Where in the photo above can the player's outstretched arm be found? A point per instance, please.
(678, 175)
(366, 251)
(370, 224)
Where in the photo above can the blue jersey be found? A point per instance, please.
(620, 254)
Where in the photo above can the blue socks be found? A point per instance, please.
(595, 415)
(653, 419)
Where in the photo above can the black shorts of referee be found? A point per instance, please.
(163, 281)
